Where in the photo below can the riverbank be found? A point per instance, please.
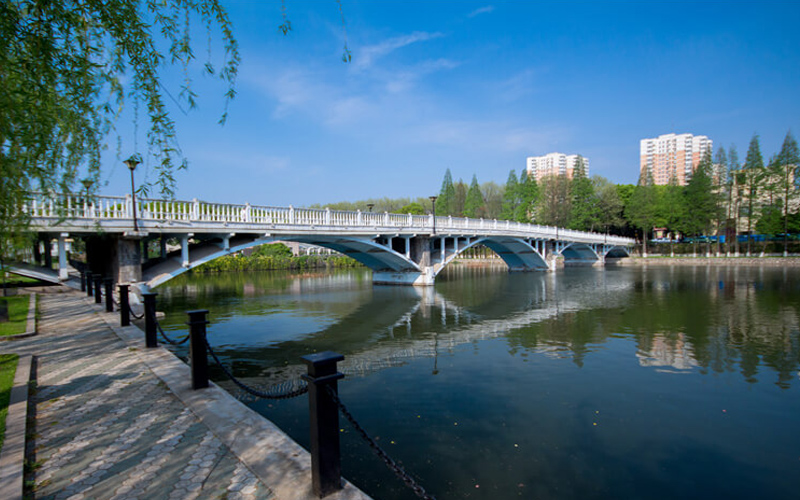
(771, 261)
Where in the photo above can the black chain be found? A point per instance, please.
(134, 315)
(250, 390)
(166, 338)
(391, 464)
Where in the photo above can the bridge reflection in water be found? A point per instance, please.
(624, 383)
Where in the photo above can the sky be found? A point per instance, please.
(475, 87)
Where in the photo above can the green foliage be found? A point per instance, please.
(641, 210)
(474, 203)
(528, 198)
(447, 194)
(8, 367)
(583, 210)
(511, 197)
(239, 263)
(272, 249)
(554, 203)
(608, 205)
(413, 209)
(700, 201)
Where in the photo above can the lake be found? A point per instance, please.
(629, 382)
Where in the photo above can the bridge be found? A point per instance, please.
(400, 249)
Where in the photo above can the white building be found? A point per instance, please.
(555, 164)
(671, 155)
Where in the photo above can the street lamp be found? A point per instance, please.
(131, 163)
(87, 183)
(433, 202)
(370, 205)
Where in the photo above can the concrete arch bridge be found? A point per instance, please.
(399, 249)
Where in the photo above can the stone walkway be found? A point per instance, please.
(108, 427)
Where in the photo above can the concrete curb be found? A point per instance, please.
(12, 456)
(279, 462)
(30, 322)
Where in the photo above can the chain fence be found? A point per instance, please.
(390, 463)
(252, 391)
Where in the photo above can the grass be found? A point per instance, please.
(8, 366)
(17, 315)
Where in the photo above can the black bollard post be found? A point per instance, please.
(89, 290)
(150, 333)
(83, 280)
(197, 348)
(109, 284)
(124, 306)
(98, 292)
(326, 463)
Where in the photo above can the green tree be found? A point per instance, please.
(608, 203)
(511, 197)
(734, 191)
(786, 169)
(554, 204)
(641, 209)
(413, 209)
(493, 200)
(474, 204)
(753, 174)
(583, 213)
(67, 70)
(460, 199)
(447, 195)
(700, 201)
(528, 198)
(721, 187)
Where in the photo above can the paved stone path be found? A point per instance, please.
(107, 427)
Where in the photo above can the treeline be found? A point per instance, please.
(723, 197)
(275, 256)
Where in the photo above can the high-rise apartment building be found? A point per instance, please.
(555, 164)
(671, 155)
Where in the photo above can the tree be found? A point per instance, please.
(722, 187)
(753, 173)
(700, 200)
(492, 200)
(786, 168)
(642, 206)
(608, 203)
(554, 204)
(474, 204)
(511, 197)
(583, 214)
(459, 199)
(528, 197)
(413, 209)
(67, 70)
(734, 194)
(446, 195)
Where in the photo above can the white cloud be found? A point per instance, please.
(482, 10)
(369, 54)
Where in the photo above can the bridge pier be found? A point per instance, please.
(62, 256)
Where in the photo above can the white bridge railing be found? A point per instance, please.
(109, 208)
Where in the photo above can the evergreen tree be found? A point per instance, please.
(528, 197)
(641, 210)
(721, 186)
(609, 204)
(735, 193)
(460, 199)
(446, 195)
(787, 166)
(511, 197)
(474, 204)
(492, 200)
(583, 214)
(700, 200)
(753, 174)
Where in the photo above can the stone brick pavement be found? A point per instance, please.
(107, 426)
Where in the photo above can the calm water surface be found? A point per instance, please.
(658, 382)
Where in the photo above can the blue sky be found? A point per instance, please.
(476, 87)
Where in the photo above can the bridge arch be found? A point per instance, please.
(517, 253)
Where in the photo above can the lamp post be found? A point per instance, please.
(131, 163)
(433, 202)
(370, 205)
(87, 183)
